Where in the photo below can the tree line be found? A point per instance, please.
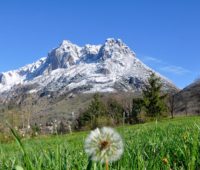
(152, 105)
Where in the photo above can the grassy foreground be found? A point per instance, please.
(167, 144)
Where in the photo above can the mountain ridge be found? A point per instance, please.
(110, 67)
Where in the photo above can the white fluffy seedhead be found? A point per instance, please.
(104, 144)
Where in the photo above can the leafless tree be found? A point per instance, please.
(171, 104)
(185, 103)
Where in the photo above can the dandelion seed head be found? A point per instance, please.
(104, 144)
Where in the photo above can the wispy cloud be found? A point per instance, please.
(151, 59)
(165, 67)
(174, 69)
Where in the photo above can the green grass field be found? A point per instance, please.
(168, 144)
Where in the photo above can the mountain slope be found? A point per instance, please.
(187, 101)
(110, 67)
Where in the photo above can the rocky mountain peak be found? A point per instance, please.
(110, 67)
(114, 48)
(64, 56)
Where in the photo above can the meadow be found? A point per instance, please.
(166, 144)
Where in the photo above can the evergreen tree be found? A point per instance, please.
(95, 110)
(96, 107)
(115, 110)
(136, 109)
(154, 101)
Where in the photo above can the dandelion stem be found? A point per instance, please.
(107, 168)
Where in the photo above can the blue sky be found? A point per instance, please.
(165, 35)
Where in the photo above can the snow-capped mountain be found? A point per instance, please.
(69, 68)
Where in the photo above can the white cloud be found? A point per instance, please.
(165, 67)
(151, 59)
(174, 69)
